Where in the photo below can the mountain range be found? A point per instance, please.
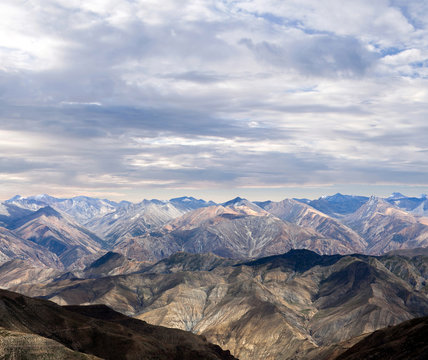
(311, 305)
(293, 279)
(73, 232)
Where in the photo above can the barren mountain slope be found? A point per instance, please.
(240, 229)
(60, 235)
(13, 246)
(386, 227)
(337, 205)
(302, 300)
(20, 345)
(304, 215)
(416, 206)
(19, 272)
(101, 331)
(112, 264)
(133, 219)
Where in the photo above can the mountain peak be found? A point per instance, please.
(183, 198)
(39, 196)
(336, 196)
(396, 195)
(47, 211)
(234, 201)
(15, 198)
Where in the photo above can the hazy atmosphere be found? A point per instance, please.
(263, 99)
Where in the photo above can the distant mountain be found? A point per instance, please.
(304, 215)
(60, 235)
(386, 227)
(337, 205)
(9, 213)
(240, 229)
(134, 219)
(414, 205)
(243, 205)
(80, 208)
(14, 247)
(33, 202)
(94, 330)
(83, 209)
(193, 231)
(80, 229)
(188, 203)
(305, 302)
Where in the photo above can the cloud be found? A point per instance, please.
(120, 96)
(317, 55)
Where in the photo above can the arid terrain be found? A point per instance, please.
(269, 280)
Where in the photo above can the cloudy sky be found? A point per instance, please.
(213, 98)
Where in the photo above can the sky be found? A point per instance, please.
(264, 99)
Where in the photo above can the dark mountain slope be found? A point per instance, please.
(405, 341)
(101, 331)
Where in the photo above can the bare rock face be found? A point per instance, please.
(241, 236)
(281, 307)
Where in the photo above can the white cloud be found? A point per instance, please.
(213, 92)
